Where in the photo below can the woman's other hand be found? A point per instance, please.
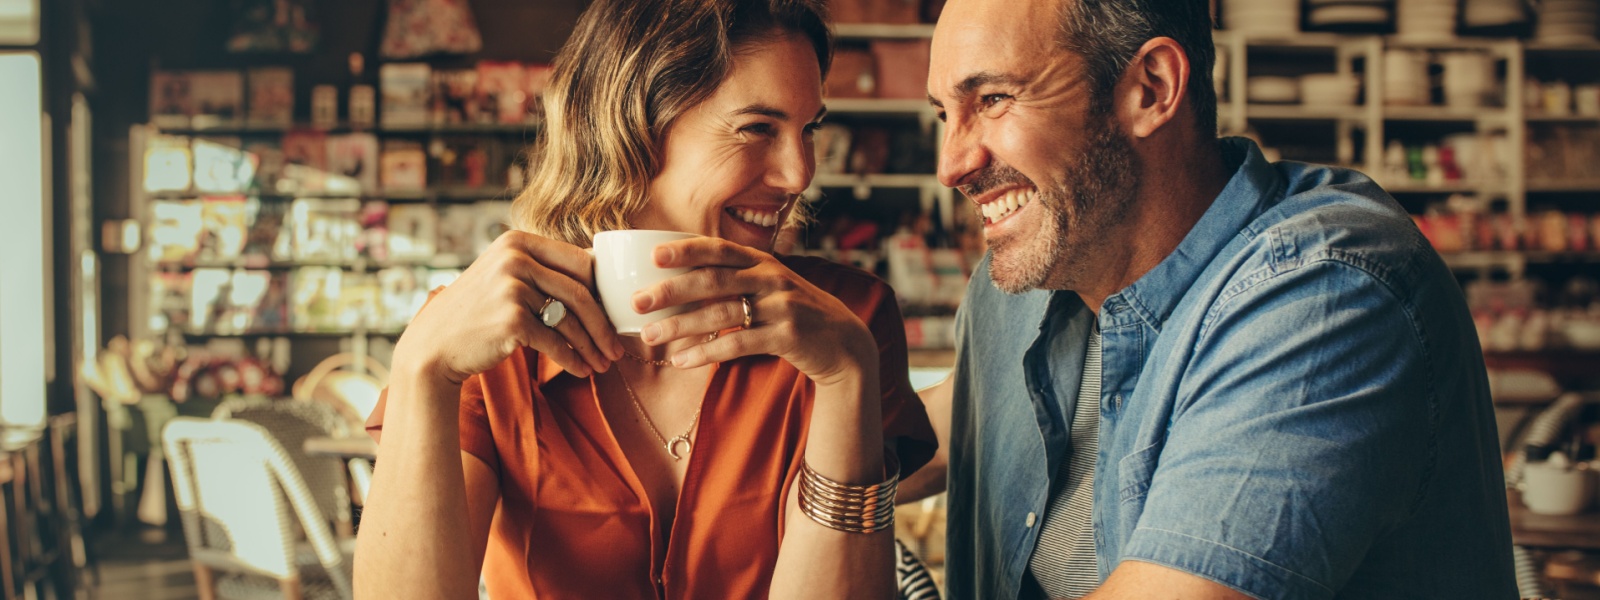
(790, 317)
(493, 308)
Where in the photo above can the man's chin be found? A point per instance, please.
(1014, 276)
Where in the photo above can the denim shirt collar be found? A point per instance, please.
(1254, 184)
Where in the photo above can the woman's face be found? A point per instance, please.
(733, 165)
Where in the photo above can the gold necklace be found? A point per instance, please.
(672, 445)
(647, 361)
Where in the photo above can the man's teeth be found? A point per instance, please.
(754, 217)
(1003, 206)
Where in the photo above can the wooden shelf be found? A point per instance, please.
(879, 106)
(1302, 112)
(848, 180)
(445, 193)
(1575, 185)
(879, 31)
(1442, 114)
(235, 128)
(1570, 119)
(1580, 531)
(932, 358)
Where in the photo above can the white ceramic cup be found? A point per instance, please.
(624, 263)
(1550, 489)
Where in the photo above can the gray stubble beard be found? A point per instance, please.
(1093, 199)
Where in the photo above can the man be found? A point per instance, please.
(1183, 371)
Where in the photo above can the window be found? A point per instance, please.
(22, 241)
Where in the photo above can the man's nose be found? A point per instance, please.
(961, 154)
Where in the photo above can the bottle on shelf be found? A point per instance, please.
(363, 103)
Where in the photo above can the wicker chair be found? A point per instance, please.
(240, 497)
(291, 424)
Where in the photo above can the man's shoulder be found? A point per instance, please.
(1331, 214)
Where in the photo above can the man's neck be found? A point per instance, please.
(1176, 187)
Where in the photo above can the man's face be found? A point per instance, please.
(1050, 173)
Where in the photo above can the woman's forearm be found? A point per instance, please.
(416, 538)
(844, 443)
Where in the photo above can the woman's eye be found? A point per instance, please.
(757, 129)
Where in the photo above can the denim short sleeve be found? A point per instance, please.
(1302, 431)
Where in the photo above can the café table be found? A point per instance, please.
(1578, 532)
(355, 446)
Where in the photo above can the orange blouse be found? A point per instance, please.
(575, 522)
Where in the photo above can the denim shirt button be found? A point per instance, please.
(1031, 519)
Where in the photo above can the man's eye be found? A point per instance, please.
(942, 118)
(989, 103)
(757, 129)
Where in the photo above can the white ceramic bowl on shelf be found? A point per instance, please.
(1272, 89)
(1329, 89)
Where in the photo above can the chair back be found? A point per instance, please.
(353, 394)
(240, 496)
(291, 424)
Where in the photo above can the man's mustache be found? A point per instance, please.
(993, 177)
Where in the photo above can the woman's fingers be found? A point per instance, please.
(570, 334)
(710, 317)
(705, 252)
(582, 307)
(699, 285)
(553, 344)
(726, 347)
(567, 259)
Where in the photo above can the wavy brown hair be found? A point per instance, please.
(630, 69)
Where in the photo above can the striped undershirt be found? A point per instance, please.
(1063, 561)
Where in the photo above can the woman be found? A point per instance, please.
(540, 454)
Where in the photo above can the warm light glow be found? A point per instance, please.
(22, 276)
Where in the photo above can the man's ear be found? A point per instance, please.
(1153, 87)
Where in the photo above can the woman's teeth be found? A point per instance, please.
(1003, 206)
(755, 217)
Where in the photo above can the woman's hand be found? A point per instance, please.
(790, 317)
(493, 309)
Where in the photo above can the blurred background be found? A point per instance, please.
(221, 214)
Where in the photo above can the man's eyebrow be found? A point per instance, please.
(973, 82)
(769, 111)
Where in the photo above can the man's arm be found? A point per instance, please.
(930, 479)
(1135, 579)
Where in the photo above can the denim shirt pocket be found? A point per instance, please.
(1135, 471)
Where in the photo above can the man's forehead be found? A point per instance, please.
(990, 35)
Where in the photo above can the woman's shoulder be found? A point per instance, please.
(825, 273)
(857, 288)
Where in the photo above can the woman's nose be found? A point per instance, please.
(792, 167)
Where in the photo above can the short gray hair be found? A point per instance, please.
(1107, 34)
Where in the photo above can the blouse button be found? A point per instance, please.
(1031, 519)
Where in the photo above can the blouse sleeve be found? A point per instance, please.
(905, 420)
(474, 416)
(476, 438)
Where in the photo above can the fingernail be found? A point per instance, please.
(664, 256)
(650, 333)
(679, 360)
(641, 302)
(605, 366)
(617, 350)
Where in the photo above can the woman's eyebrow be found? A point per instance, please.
(772, 112)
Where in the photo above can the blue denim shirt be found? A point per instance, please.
(1293, 404)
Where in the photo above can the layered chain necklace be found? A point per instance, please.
(682, 440)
